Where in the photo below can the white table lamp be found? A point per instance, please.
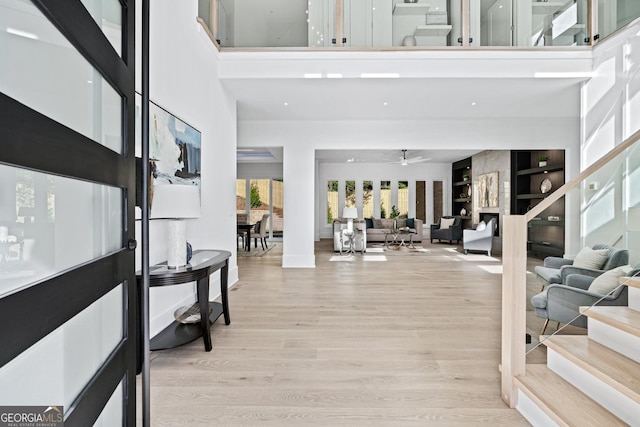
(176, 203)
(350, 214)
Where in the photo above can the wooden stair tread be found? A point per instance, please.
(609, 366)
(631, 282)
(564, 403)
(621, 317)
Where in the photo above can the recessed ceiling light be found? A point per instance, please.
(334, 75)
(473, 103)
(286, 103)
(313, 76)
(385, 103)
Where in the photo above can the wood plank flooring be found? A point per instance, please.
(411, 341)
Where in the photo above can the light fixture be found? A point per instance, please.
(176, 203)
(350, 214)
(404, 161)
(20, 33)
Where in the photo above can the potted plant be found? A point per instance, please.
(465, 177)
(542, 161)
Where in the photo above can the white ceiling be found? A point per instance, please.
(406, 99)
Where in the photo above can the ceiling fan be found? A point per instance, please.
(405, 162)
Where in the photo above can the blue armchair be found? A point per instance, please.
(556, 269)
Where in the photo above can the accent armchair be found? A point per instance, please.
(448, 228)
(556, 269)
(561, 303)
(479, 239)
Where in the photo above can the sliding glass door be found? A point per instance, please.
(259, 197)
(67, 175)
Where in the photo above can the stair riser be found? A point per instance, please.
(532, 412)
(608, 397)
(634, 298)
(617, 340)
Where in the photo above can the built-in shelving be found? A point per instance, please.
(462, 197)
(546, 237)
(411, 8)
(432, 30)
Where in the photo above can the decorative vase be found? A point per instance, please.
(463, 212)
(542, 163)
(409, 41)
(189, 252)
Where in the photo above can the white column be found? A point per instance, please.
(298, 239)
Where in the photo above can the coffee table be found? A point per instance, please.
(399, 237)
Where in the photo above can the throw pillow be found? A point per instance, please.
(401, 223)
(481, 226)
(608, 281)
(369, 222)
(377, 223)
(588, 258)
(411, 222)
(387, 223)
(445, 223)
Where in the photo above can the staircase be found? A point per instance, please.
(591, 380)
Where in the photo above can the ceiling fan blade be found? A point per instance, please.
(418, 159)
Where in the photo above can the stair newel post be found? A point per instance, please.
(514, 281)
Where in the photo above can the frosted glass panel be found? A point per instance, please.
(42, 70)
(108, 16)
(54, 370)
(112, 414)
(49, 224)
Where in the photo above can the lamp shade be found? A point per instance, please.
(350, 213)
(175, 201)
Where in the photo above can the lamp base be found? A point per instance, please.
(176, 243)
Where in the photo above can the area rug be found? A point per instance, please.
(397, 249)
(255, 252)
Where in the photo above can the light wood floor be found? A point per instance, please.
(411, 341)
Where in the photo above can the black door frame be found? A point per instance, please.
(64, 152)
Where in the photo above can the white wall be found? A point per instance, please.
(610, 111)
(183, 69)
(464, 133)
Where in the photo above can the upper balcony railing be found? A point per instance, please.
(400, 24)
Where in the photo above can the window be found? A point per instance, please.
(403, 197)
(385, 198)
(367, 199)
(332, 201)
(350, 194)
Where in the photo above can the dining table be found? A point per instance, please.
(247, 227)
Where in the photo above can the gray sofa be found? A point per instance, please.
(376, 228)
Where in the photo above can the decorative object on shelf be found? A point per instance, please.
(463, 212)
(465, 177)
(545, 186)
(463, 196)
(469, 190)
(436, 17)
(553, 218)
(189, 252)
(176, 203)
(409, 41)
(189, 314)
(542, 161)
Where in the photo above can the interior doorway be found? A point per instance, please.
(421, 197)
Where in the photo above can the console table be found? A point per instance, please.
(202, 265)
